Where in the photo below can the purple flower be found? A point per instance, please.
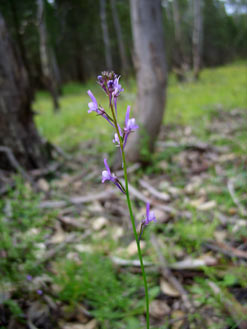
(29, 277)
(150, 216)
(94, 107)
(117, 87)
(130, 125)
(107, 175)
(39, 292)
(116, 140)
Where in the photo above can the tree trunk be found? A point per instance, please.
(148, 36)
(18, 134)
(46, 64)
(122, 52)
(108, 55)
(179, 55)
(197, 38)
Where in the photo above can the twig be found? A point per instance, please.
(153, 191)
(70, 239)
(15, 164)
(187, 264)
(128, 262)
(131, 169)
(142, 197)
(170, 277)
(76, 200)
(232, 306)
(227, 250)
(230, 185)
(45, 171)
(60, 151)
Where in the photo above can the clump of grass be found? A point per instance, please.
(21, 230)
(110, 295)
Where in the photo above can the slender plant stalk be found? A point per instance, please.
(132, 216)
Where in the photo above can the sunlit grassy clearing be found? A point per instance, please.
(219, 87)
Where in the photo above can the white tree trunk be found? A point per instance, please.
(49, 77)
(106, 39)
(180, 62)
(122, 52)
(197, 38)
(149, 54)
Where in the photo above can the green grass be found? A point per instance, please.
(220, 87)
(76, 281)
(223, 87)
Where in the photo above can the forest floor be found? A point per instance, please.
(68, 257)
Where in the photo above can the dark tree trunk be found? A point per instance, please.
(122, 52)
(147, 26)
(107, 45)
(197, 38)
(19, 38)
(17, 130)
(45, 58)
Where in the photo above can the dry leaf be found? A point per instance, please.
(83, 247)
(90, 325)
(207, 205)
(99, 223)
(159, 308)
(197, 202)
(43, 185)
(132, 248)
(59, 235)
(168, 289)
(220, 236)
(178, 315)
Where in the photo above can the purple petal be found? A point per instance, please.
(90, 94)
(105, 176)
(107, 167)
(152, 217)
(127, 116)
(147, 210)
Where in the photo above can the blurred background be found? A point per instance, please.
(67, 254)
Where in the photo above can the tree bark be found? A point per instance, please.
(45, 58)
(122, 52)
(108, 55)
(148, 37)
(197, 38)
(179, 56)
(17, 130)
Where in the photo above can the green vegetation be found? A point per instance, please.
(73, 276)
(223, 87)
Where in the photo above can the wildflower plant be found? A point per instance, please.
(109, 82)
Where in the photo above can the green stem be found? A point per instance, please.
(132, 217)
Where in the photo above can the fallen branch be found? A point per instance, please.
(153, 191)
(76, 200)
(231, 305)
(170, 277)
(227, 250)
(72, 238)
(230, 185)
(15, 164)
(143, 198)
(131, 169)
